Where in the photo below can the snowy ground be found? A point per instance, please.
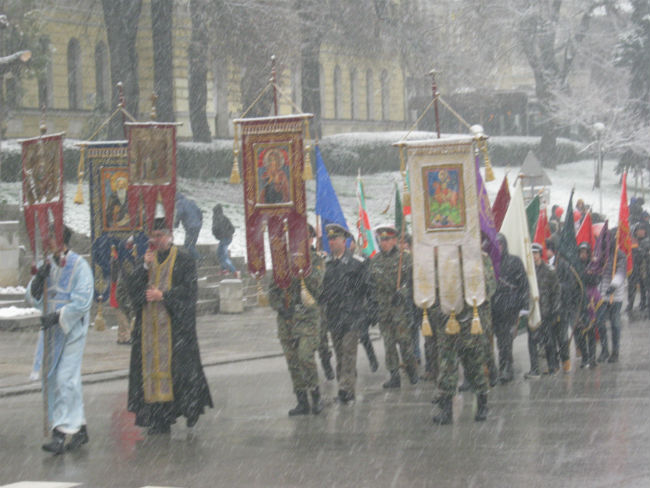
(379, 190)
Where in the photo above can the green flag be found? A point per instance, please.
(532, 214)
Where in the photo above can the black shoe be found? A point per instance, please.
(482, 408)
(613, 358)
(465, 386)
(604, 356)
(303, 405)
(345, 397)
(192, 420)
(327, 369)
(394, 381)
(316, 404)
(374, 365)
(507, 375)
(493, 377)
(56, 445)
(413, 375)
(445, 416)
(593, 364)
(532, 375)
(584, 363)
(77, 440)
(159, 428)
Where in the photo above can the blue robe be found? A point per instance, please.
(70, 292)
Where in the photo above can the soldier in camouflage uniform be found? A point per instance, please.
(392, 304)
(299, 333)
(469, 348)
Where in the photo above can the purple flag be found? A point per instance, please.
(491, 246)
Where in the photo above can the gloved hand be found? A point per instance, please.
(524, 313)
(610, 289)
(49, 320)
(38, 283)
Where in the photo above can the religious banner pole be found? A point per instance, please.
(274, 79)
(434, 89)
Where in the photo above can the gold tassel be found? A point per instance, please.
(262, 298)
(307, 172)
(100, 323)
(489, 173)
(426, 326)
(79, 196)
(235, 179)
(452, 327)
(306, 297)
(476, 322)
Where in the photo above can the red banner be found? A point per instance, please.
(42, 159)
(274, 195)
(623, 236)
(152, 170)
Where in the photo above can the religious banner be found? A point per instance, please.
(446, 226)
(42, 159)
(111, 230)
(152, 170)
(274, 195)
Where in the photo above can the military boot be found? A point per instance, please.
(77, 440)
(412, 372)
(316, 404)
(327, 369)
(445, 416)
(482, 408)
(56, 445)
(465, 386)
(394, 381)
(508, 374)
(604, 355)
(372, 359)
(303, 405)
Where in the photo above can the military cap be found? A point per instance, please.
(385, 230)
(336, 230)
(584, 245)
(536, 247)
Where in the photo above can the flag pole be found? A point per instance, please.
(436, 94)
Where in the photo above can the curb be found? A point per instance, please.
(92, 378)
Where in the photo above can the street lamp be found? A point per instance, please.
(599, 128)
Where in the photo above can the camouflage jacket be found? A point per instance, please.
(383, 279)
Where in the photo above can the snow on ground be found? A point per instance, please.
(379, 191)
(12, 290)
(10, 312)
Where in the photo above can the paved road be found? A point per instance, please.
(586, 429)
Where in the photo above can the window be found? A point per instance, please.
(74, 74)
(337, 93)
(102, 83)
(354, 109)
(370, 95)
(385, 97)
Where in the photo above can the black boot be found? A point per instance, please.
(55, 446)
(445, 415)
(604, 355)
(372, 359)
(394, 381)
(316, 405)
(412, 372)
(613, 358)
(345, 397)
(327, 368)
(481, 407)
(159, 427)
(465, 386)
(77, 440)
(303, 405)
(507, 374)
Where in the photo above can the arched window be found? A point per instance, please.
(102, 77)
(354, 109)
(45, 83)
(370, 96)
(338, 109)
(74, 74)
(385, 97)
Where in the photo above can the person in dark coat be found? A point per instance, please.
(508, 302)
(163, 290)
(190, 215)
(223, 230)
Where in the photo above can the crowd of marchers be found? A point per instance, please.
(345, 294)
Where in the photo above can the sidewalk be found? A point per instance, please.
(222, 339)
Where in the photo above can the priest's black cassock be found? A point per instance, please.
(166, 378)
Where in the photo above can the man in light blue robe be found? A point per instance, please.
(65, 325)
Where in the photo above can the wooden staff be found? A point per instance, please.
(45, 363)
(274, 83)
(434, 89)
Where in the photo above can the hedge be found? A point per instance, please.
(342, 153)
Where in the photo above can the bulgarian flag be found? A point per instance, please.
(542, 232)
(366, 237)
(623, 236)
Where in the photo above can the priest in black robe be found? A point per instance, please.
(166, 378)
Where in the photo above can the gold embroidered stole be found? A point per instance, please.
(157, 336)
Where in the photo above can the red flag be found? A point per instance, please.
(623, 236)
(542, 232)
(501, 203)
(586, 232)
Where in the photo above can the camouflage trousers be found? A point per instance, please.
(345, 349)
(299, 340)
(323, 343)
(396, 331)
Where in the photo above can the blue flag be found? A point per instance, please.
(327, 203)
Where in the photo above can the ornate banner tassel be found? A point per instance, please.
(235, 179)
(262, 298)
(307, 172)
(476, 322)
(306, 297)
(489, 173)
(452, 327)
(100, 322)
(79, 196)
(426, 326)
